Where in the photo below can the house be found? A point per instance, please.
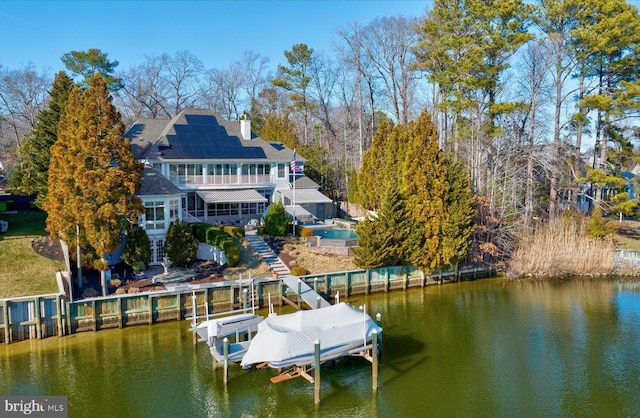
(205, 169)
(310, 204)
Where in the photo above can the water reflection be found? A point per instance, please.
(485, 348)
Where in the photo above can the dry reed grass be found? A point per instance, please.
(562, 249)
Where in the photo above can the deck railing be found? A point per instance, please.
(628, 255)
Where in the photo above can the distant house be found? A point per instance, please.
(203, 168)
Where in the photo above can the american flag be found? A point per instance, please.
(294, 167)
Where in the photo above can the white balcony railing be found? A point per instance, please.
(220, 180)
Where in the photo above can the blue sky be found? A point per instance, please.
(217, 32)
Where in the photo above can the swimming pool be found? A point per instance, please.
(335, 233)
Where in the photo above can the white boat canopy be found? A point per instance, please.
(289, 339)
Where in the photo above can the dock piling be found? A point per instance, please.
(38, 317)
(379, 322)
(316, 380)
(7, 327)
(374, 363)
(225, 344)
(193, 309)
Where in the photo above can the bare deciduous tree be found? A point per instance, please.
(23, 93)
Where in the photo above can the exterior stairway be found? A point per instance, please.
(267, 254)
(309, 295)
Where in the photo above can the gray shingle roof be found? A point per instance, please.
(143, 134)
(305, 182)
(197, 134)
(153, 183)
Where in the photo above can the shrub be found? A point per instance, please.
(215, 235)
(262, 231)
(231, 251)
(137, 247)
(298, 271)
(303, 231)
(199, 230)
(181, 246)
(275, 222)
(234, 231)
(599, 227)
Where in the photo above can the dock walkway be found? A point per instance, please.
(266, 253)
(307, 293)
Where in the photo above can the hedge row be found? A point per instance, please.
(221, 238)
(232, 252)
(301, 231)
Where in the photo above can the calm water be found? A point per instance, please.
(484, 348)
(335, 233)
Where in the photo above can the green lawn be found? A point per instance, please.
(628, 236)
(22, 271)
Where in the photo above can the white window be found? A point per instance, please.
(159, 251)
(281, 171)
(173, 210)
(154, 215)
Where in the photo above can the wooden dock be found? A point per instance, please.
(305, 292)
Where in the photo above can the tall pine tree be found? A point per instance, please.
(426, 186)
(458, 222)
(87, 63)
(381, 164)
(93, 176)
(35, 149)
(382, 239)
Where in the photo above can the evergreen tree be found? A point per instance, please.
(465, 47)
(137, 247)
(607, 41)
(370, 186)
(598, 227)
(35, 150)
(353, 185)
(371, 251)
(296, 78)
(382, 239)
(459, 218)
(276, 223)
(280, 129)
(181, 245)
(93, 176)
(87, 63)
(426, 186)
(318, 167)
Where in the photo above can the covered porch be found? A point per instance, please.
(227, 206)
(307, 202)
